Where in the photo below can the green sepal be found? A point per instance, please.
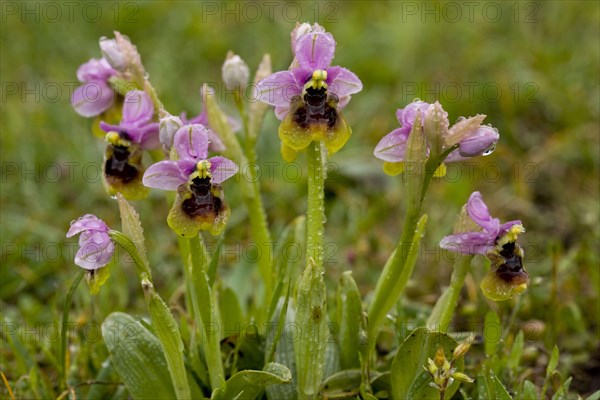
(98, 277)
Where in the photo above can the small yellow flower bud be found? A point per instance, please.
(462, 349)
(459, 376)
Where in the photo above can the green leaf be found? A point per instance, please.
(231, 311)
(594, 396)
(492, 332)
(349, 319)
(490, 387)
(286, 259)
(99, 390)
(409, 378)
(284, 353)
(167, 331)
(137, 357)
(528, 392)
(247, 385)
(213, 264)
(131, 226)
(341, 385)
(563, 391)
(515, 353)
(553, 363)
(281, 318)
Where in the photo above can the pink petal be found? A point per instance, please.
(95, 70)
(392, 147)
(344, 83)
(164, 175)
(479, 141)
(468, 243)
(315, 50)
(221, 169)
(93, 255)
(480, 214)
(277, 89)
(86, 222)
(147, 136)
(92, 98)
(137, 108)
(191, 141)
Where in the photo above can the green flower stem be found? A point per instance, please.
(311, 299)
(393, 279)
(315, 213)
(254, 204)
(206, 307)
(148, 88)
(65, 323)
(444, 308)
(164, 324)
(250, 188)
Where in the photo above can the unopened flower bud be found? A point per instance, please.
(112, 53)
(481, 141)
(435, 126)
(462, 349)
(169, 124)
(459, 376)
(235, 72)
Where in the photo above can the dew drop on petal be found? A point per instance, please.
(489, 151)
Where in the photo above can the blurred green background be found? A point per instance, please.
(531, 67)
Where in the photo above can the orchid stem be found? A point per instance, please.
(446, 305)
(311, 298)
(395, 275)
(205, 305)
(315, 219)
(65, 322)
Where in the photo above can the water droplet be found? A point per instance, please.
(489, 151)
(416, 99)
(460, 119)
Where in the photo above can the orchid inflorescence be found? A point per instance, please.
(308, 99)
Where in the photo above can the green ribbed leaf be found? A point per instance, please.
(349, 319)
(137, 357)
(247, 385)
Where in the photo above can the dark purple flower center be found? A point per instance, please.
(118, 166)
(511, 270)
(316, 109)
(203, 202)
